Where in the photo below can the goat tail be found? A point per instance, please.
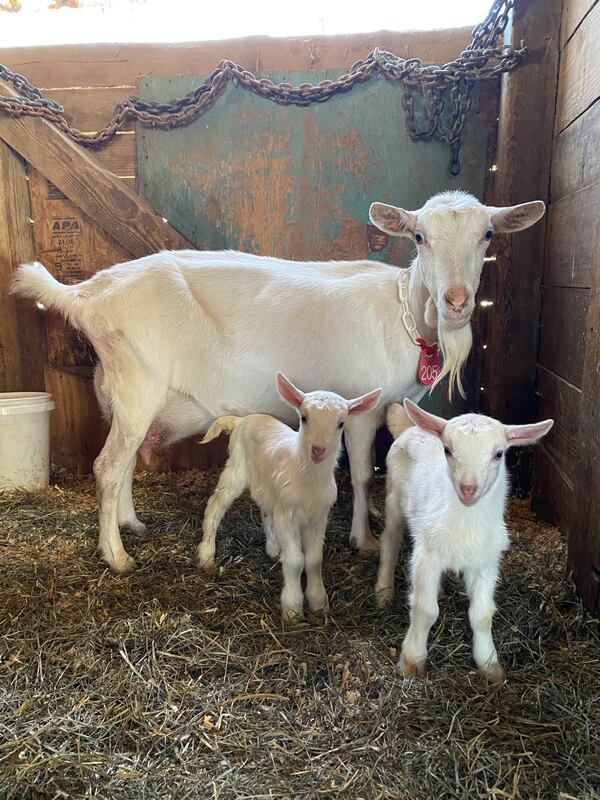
(227, 424)
(34, 280)
(397, 419)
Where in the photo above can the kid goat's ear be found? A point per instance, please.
(288, 392)
(521, 435)
(423, 419)
(364, 402)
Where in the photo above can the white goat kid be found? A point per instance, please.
(448, 481)
(290, 475)
(186, 337)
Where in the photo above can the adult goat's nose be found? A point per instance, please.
(457, 298)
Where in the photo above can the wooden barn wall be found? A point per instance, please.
(567, 478)
(89, 80)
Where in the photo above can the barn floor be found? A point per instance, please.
(166, 684)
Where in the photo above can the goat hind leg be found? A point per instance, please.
(127, 516)
(231, 484)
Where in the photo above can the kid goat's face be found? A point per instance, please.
(323, 416)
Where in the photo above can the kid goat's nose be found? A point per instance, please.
(317, 453)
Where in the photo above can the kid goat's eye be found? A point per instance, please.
(447, 451)
(488, 234)
(499, 455)
(340, 424)
(303, 418)
(418, 238)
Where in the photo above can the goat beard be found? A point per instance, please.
(455, 346)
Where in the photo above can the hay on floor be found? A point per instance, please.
(171, 684)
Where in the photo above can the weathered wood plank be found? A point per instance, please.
(523, 168)
(579, 81)
(77, 432)
(584, 542)
(571, 236)
(553, 497)
(112, 204)
(562, 332)
(560, 401)
(111, 65)
(21, 332)
(120, 155)
(576, 155)
(574, 12)
(89, 108)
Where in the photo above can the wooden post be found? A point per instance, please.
(523, 173)
(21, 336)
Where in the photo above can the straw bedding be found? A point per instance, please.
(171, 684)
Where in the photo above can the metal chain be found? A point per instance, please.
(444, 91)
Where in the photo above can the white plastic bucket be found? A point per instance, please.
(25, 439)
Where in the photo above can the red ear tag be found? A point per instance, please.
(429, 363)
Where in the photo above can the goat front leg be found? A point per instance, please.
(426, 574)
(389, 548)
(358, 435)
(230, 485)
(480, 585)
(292, 563)
(271, 543)
(313, 539)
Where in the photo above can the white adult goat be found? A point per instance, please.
(448, 481)
(290, 477)
(186, 337)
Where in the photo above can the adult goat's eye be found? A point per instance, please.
(498, 455)
(340, 424)
(418, 238)
(447, 452)
(303, 418)
(488, 234)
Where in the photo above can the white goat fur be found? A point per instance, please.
(429, 468)
(185, 337)
(293, 490)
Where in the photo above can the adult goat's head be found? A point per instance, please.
(452, 232)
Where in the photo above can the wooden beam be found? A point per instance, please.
(21, 331)
(523, 173)
(81, 177)
(584, 538)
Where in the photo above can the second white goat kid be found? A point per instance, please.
(290, 477)
(448, 481)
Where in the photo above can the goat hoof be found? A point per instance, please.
(369, 546)
(206, 565)
(123, 565)
(493, 674)
(412, 669)
(383, 597)
(291, 616)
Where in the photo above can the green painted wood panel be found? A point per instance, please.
(295, 182)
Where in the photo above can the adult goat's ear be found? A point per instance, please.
(288, 392)
(516, 218)
(423, 419)
(392, 220)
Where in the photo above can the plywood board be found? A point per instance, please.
(576, 155)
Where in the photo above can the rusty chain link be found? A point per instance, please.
(440, 95)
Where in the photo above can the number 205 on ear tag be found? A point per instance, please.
(429, 363)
